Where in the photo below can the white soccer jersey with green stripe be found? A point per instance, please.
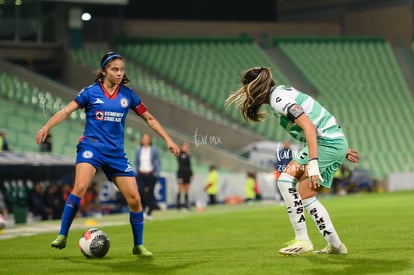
(283, 97)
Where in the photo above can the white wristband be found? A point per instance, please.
(313, 169)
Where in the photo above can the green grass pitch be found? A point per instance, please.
(230, 239)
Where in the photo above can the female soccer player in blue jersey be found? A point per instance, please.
(325, 149)
(106, 103)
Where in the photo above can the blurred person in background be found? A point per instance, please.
(46, 146)
(250, 187)
(147, 167)
(35, 202)
(283, 158)
(3, 207)
(106, 103)
(257, 188)
(325, 149)
(341, 180)
(53, 201)
(211, 187)
(111, 200)
(89, 204)
(4, 144)
(184, 175)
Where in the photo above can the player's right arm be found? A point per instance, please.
(55, 120)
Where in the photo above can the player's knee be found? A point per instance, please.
(134, 201)
(283, 179)
(305, 191)
(79, 189)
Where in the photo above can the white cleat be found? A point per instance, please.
(297, 247)
(342, 250)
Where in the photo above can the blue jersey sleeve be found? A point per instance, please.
(135, 100)
(136, 104)
(82, 98)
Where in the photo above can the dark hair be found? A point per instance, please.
(251, 174)
(146, 134)
(253, 94)
(107, 58)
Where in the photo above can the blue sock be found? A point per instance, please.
(69, 213)
(137, 223)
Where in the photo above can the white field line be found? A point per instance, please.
(39, 228)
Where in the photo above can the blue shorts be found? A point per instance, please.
(112, 166)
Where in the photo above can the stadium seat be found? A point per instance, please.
(207, 68)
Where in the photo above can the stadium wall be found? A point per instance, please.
(150, 28)
(231, 185)
(176, 28)
(400, 181)
(391, 22)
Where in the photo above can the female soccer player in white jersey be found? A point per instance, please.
(106, 103)
(325, 148)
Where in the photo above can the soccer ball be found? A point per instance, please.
(2, 222)
(94, 243)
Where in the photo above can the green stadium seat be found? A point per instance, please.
(204, 68)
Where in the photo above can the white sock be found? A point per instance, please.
(322, 220)
(293, 202)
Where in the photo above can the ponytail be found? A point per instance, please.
(253, 94)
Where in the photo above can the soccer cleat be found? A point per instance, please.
(60, 242)
(140, 250)
(297, 247)
(332, 250)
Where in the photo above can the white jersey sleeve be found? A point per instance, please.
(282, 98)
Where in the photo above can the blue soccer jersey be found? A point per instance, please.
(105, 116)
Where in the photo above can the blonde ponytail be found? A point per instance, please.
(253, 94)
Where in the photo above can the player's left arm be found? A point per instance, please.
(310, 135)
(154, 124)
(303, 121)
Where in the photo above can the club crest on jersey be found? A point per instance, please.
(87, 154)
(124, 102)
(295, 110)
(99, 115)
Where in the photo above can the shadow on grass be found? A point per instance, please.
(134, 264)
(152, 266)
(329, 264)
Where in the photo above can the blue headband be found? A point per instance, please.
(112, 56)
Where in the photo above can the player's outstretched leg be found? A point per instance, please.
(69, 213)
(137, 223)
